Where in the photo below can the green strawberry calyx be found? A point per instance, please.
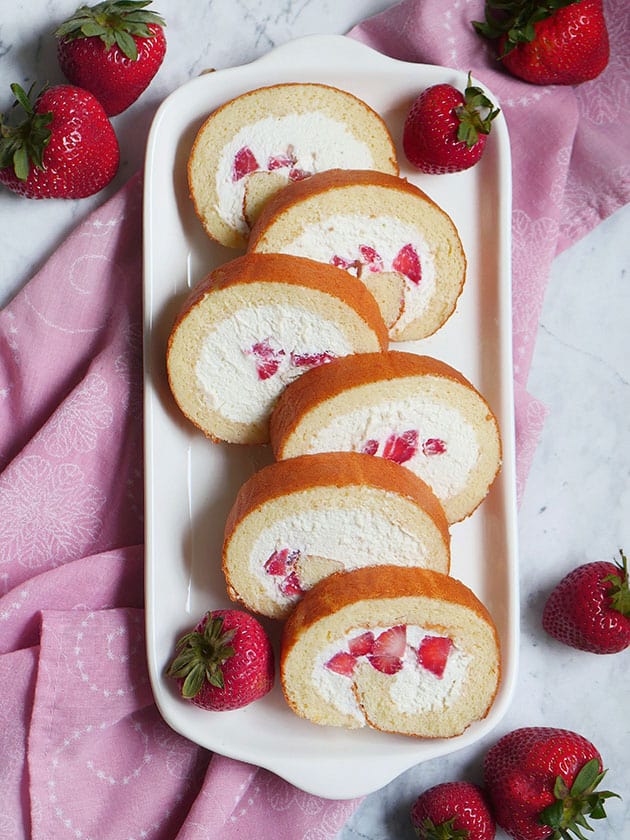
(115, 22)
(475, 115)
(619, 591)
(428, 830)
(200, 656)
(24, 144)
(567, 815)
(515, 20)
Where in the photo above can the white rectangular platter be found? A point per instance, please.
(191, 482)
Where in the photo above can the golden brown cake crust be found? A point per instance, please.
(321, 182)
(317, 385)
(340, 469)
(375, 583)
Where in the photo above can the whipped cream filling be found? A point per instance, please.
(413, 690)
(356, 537)
(313, 141)
(349, 236)
(445, 468)
(247, 360)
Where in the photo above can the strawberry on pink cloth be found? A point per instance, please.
(85, 753)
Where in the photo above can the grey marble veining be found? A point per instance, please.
(577, 501)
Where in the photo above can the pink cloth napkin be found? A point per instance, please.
(84, 751)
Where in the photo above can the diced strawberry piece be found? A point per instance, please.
(401, 448)
(299, 174)
(362, 645)
(311, 359)
(433, 654)
(342, 663)
(267, 358)
(391, 642)
(340, 262)
(434, 446)
(280, 162)
(370, 447)
(386, 664)
(291, 585)
(244, 162)
(277, 564)
(371, 258)
(407, 262)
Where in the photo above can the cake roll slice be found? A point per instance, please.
(381, 228)
(403, 650)
(257, 142)
(295, 522)
(414, 410)
(252, 326)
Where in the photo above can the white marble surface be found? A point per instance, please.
(577, 499)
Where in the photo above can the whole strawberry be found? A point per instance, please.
(63, 147)
(589, 609)
(445, 130)
(548, 42)
(225, 663)
(453, 811)
(542, 783)
(112, 49)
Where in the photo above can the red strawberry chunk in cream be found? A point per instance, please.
(342, 663)
(362, 645)
(281, 564)
(244, 163)
(311, 359)
(433, 654)
(371, 258)
(433, 446)
(401, 448)
(267, 358)
(280, 162)
(389, 649)
(370, 447)
(407, 262)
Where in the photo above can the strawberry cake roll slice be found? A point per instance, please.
(295, 522)
(252, 326)
(257, 142)
(403, 650)
(414, 410)
(381, 228)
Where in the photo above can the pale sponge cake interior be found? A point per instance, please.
(415, 410)
(380, 228)
(297, 521)
(403, 650)
(252, 326)
(288, 130)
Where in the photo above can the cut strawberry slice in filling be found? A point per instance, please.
(362, 645)
(371, 258)
(311, 359)
(401, 448)
(342, 663)
(433, 446)
(297, 174)
(290, 585)
(244, 163)
(267, 358)
(370, 447)
(280, 162)
(407, 262)
(389, 649)
(433, 654)
(278, 563)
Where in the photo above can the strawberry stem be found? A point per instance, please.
(515, 20)
(115, 22)
(24, 144)
(475, 115)
(567, 815)
(200, 655)
(619, 592)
